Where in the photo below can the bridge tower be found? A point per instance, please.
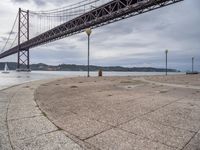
(23, 35)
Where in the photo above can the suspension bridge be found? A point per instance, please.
(35, 28)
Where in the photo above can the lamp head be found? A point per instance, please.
(166, 51)
(88, 31)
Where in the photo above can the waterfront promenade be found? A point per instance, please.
(141, 113)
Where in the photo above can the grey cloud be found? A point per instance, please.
(20, 1)
(37, 2)
(58, 57)
(124, 45)
(3, 38)
(42, 2)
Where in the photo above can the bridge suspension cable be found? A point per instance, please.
(13, 41)
(42, 21)
(10, 34)
(70, 7)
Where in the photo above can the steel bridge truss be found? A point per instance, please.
(23, 36)
(108, 13)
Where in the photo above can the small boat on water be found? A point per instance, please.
(6, 69)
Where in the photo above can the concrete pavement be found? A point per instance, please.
(124, 112)
(118, 113)
(24, 127)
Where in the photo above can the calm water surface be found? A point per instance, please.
(14, 78)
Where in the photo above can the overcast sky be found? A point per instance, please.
(134, 42)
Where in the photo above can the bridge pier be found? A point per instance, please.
(23, 61)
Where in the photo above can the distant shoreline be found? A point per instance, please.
(103, 71)
(73, 67)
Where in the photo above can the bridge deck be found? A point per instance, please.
(108, 13)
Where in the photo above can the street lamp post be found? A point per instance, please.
(192, 64)
(166, 52)
(88, 32)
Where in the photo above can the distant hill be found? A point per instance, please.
(72, 67)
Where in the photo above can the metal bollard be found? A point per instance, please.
(100, 72)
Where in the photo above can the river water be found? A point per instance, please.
(14, 78)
